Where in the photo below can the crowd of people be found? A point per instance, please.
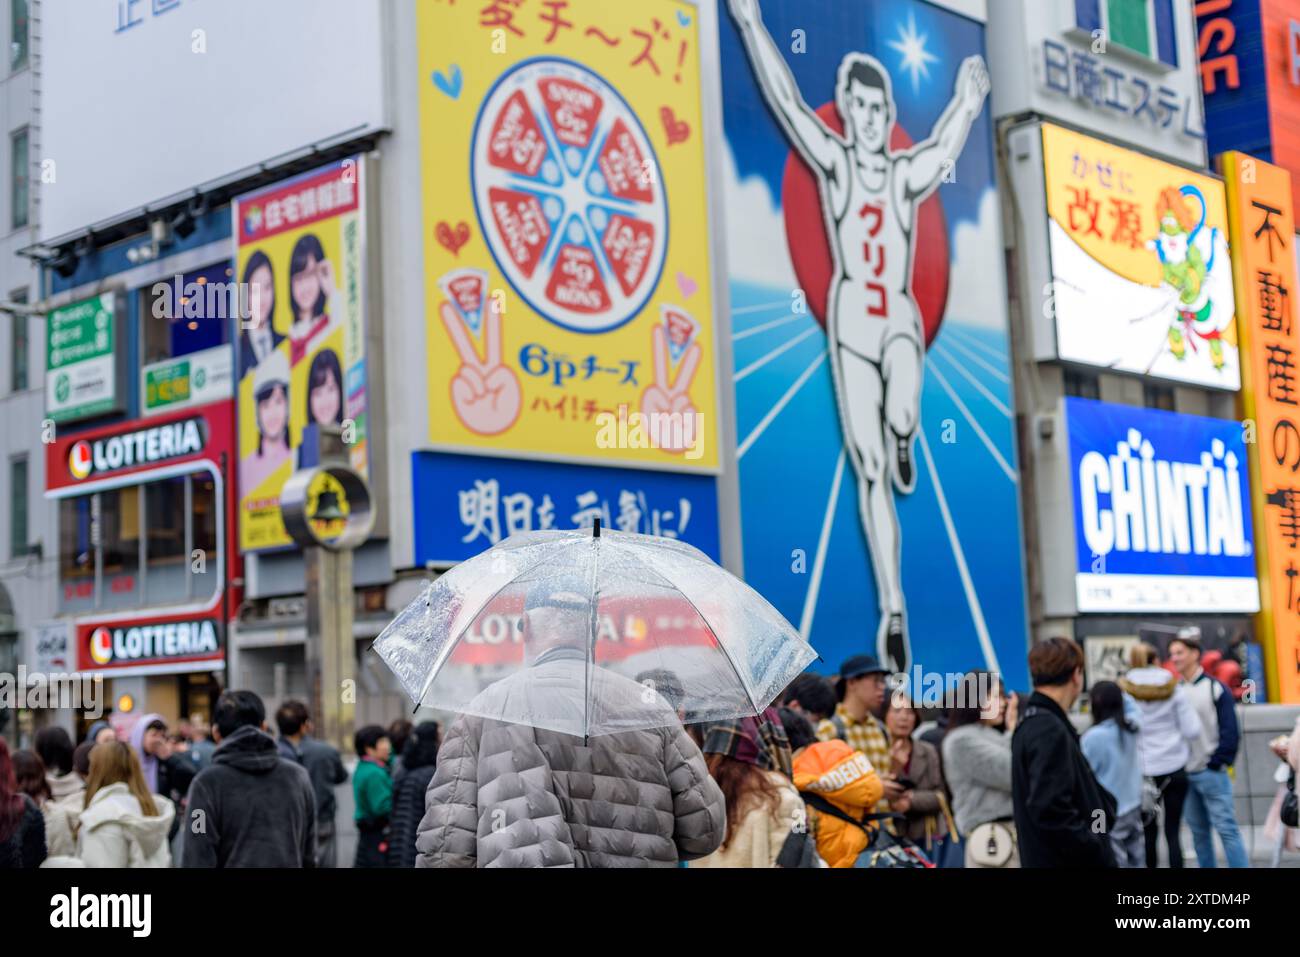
(841, 773)
(226, 795)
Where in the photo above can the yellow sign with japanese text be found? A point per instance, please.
(569, 287)
(1141, 272)
(300, 340)
(1263, 232)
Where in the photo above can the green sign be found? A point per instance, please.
(192, 379)
(167, 384)
(81, 359)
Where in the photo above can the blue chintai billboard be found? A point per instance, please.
(875, 419)
(1161, 511)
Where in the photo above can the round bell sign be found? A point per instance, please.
(329, 506)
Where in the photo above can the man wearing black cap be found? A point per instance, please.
(861, 690)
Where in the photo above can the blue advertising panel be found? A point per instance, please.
(465, 504)
(1233, 77)
(1161, 511)
(874, 414)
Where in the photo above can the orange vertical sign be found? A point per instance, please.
(1262, 229)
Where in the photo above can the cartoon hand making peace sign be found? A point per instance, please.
(484, 393)
(665, 395)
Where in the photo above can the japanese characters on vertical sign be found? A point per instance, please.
(300, 337)
(1263, 231)
(1141, 273)
(568, 277)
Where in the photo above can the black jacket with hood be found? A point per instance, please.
(250, 808)
(1063, 816)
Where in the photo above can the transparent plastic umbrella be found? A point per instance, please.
(588, 633)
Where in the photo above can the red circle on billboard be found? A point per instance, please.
(810, 250)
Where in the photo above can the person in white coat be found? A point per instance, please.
(1170, 727)
(123, 825)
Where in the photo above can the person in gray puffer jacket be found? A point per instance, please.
(508, 794)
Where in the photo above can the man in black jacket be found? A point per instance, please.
(324, 766)
(250, 807)
(1063, 816)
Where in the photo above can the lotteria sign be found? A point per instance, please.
(163, 645)
(200, 433)
(151, 446)
(1160, 511)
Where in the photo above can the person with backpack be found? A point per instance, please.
(860, 689)
(1168, 729)
(840, 787)
(1063, 816)
(1210, 806)
(22, 826)
(1111, 747)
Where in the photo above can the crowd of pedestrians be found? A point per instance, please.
(838, 772)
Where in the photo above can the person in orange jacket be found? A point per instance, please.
(845, 778)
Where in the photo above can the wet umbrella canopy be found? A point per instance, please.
(589, 634)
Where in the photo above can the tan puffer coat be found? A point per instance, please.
(512, 795)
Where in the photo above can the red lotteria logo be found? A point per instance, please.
(101, 645)
(79, 461)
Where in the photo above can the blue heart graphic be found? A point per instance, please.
(449, 83)
(683, 18)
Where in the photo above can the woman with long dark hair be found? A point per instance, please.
(311, 286)
(762, 803)
(22, 827)
(324, 404)
(258, 338)
(1111, 747)
(977, 765)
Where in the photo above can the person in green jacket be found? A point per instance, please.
(372, 790)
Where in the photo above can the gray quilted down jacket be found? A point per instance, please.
(512, 795)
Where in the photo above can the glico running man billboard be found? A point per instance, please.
(878, 477)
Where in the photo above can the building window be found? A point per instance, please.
(20, 169)
(18, 344)
(141, 546)
(176, 323)
(18, 529)
(17, 34)
(1158, 396)
(1084, 385)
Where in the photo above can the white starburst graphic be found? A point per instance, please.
(916, 58)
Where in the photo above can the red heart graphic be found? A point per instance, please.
(679, 131)
(452, 239)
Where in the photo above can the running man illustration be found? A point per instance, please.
(870, 196)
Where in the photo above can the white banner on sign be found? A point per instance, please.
(1165, 593)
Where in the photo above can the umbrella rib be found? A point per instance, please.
(451, 644)
(739, 677)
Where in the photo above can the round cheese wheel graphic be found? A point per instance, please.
(569, 195)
